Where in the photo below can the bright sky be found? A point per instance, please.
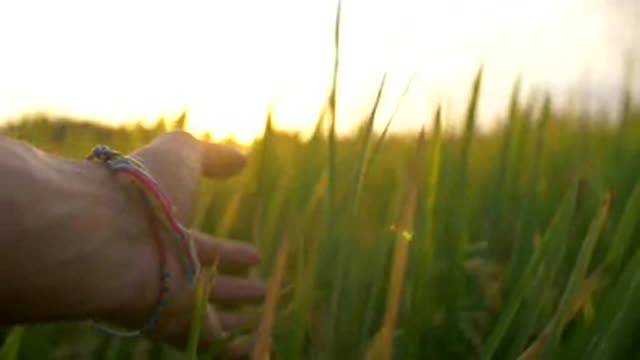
(227, 61)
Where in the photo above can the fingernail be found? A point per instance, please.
(252, 255)
(260, 289)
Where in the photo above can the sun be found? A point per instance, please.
(242, 126)
(228, 64)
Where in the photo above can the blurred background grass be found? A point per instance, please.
(519, 242)
(444, 242)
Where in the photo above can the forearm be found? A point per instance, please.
(57, 217)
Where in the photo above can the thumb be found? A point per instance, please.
(177, 160)
(174, 161)
(221, 161)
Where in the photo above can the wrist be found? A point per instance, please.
(132, 287)
(79, 241)
(124, 259)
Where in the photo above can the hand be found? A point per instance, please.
(176, 161)
(75, 243)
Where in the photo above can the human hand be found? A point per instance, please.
(176, 161)
(75, 243)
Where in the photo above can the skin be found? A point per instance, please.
(75, 242)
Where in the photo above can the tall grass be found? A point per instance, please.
(508, 255)
(520, 243)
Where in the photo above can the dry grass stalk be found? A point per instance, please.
(262, 349)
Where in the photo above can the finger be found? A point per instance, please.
(228, 254)
(176, 331)
(212, 330)
(241, 348)
(232, 322)
(230, 289)
(221, 161)
(178, 154)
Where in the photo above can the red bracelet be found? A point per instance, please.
(160, 206)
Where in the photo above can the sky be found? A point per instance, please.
(228, 62)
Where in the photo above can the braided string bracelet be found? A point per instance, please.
(134, 171)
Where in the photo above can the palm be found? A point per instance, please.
(177, 160)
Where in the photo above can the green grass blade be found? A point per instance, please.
(619, 317)
(458, 247)
(472, 109)
(556, 232)
(204, 280)
(382, 344)
(567, 306)
(433, 175)
(500, 186)
(342, 271)
(365, 148)
(275, 210)
(614, 314)
(332, 168)
(262, 176)
(467, 139)
(11, 346)
(422, 287)
(521, 248)
(378, 144)
(624, 231)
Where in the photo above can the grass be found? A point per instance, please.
(9, 350)
(518, 243)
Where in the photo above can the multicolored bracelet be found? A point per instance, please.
(134, 171)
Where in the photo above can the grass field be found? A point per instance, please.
(520, 243)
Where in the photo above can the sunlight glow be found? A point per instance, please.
(227, 63)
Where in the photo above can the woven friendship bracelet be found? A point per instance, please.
(160, 206)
